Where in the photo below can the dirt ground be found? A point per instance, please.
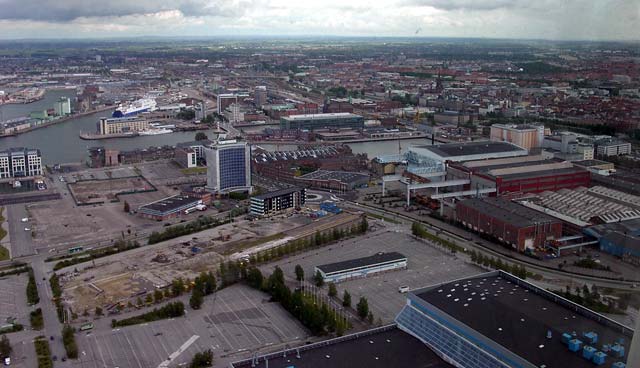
(123, 277)
(104, 191)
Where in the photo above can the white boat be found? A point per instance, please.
(155, 131)
(134, 108)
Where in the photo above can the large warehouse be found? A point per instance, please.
(341, 181)
(509, 222)
(621, 239)
(496, 320)
(318, 121)
(169, 207)
(468, 151)
(517, 175)
(276, 201)
(362, 267)
(492, 320)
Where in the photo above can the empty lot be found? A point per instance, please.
(427, 265)
(13, 298)
(233, 323)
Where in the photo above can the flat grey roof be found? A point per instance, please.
(518, 318)
(277, 193)
(385, 349)
(508, 212)
(343, 176)
(471, 148)
(169, 204)
(362, 262)
(552, 172)
(335, 115)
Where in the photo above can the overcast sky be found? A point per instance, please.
(542, 19)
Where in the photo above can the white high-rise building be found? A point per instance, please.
(20, 162)
(228, 166)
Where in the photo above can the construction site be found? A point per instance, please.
(119, 279)
(87, 192)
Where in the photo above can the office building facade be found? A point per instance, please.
(20, 162)
(280, 200)
(228, 166)
(122, 125)
(318, 121)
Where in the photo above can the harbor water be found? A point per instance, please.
(60, 143)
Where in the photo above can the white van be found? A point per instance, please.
(403, 289)
(7, 361)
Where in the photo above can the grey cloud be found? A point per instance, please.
(468, 4)
(68, 10)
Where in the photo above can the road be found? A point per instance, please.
(21, 241)
(459, 236)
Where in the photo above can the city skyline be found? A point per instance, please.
(71, 19)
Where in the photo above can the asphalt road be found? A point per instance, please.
(21, 242)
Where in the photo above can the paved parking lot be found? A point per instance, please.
(233, 323)
(427, 265)
(13, 299)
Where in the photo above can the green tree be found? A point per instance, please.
(363, 307)
(98, 311)
(203, 359)
(299, 273)
(196, 299)
(157, 296)
(319, 280)
(332, 290)
(177, 286)
(148, 299)
(5, 347)
(127, 208)
(346, 299)
(201, 136)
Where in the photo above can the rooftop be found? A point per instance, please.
(544, 173)
(507, 211)
(472, 148)
(362, 262)
(169, 204)
(277, 193)
(381, 348)
(343, 176)
(336, 115)
(517, 316)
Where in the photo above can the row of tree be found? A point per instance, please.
(362, 308)
(202, 223)
(118, 247)
(171, 310)
(69, 341)
(315, 314)
(205, 284)
(418, 230)
(496, 263)
(317, 240)
(32, 289)
(56, 290)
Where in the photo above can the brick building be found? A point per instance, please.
(511, 223)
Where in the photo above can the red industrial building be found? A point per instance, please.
(518, 175)
(509, 222)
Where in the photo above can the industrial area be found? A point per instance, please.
(285, 205)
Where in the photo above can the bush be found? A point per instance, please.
(203, 223)
(32, 289)
(171, 310)
(363, 308)
(37, 321)
(69, 341)
(203, 359)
